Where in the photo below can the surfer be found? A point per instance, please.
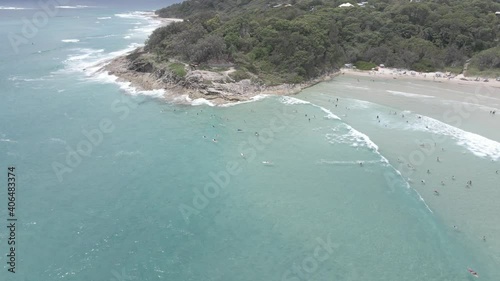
(473, 272)
(484, 238)
(436, 193)
(442, 182)
(428, 171)
(437, 159)
(423, 182)
(361, 163)
(243, 155)
(256, 134)
(453, 177)
(214, 140)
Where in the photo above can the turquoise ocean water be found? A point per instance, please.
(119, 185)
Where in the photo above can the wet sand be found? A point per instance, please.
(413, 145)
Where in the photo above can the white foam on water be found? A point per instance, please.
(357, 87)
(292, 101)
(201, 101)
(135, 15)
(70, 40)
(8, 140)
(20, 78)
(146, 26)
(252, 99)
(477, 144)
(104, 18)
(409, 95)
(329, 115)
(13, 8)
(90, 61)
(104, 77)
(352, 137)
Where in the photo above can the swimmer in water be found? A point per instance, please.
(428, 171)
(453, 177)
(442, 182)
(436, 193)
(243, 155)
(423, 182)
(214, 140)
(437, 159)
(361, 164)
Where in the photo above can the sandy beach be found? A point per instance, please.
(438, 77)
(441, 113)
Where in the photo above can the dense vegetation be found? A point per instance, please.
(295, 40)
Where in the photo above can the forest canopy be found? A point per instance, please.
(296, 40)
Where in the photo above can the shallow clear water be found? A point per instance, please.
(151, 198)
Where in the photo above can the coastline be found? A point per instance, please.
(213, 87)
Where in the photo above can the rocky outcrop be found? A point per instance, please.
(139, 68)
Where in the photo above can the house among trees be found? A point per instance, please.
(498, 14)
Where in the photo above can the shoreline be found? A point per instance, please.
(216, 88)
(437, 77)
(212, 87)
